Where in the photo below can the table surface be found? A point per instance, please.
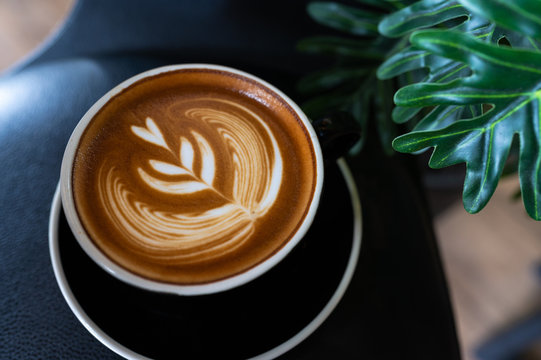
(400, 288)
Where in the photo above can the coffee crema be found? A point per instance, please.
(193, 176)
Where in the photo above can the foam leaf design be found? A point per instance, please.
(167, 168)
(506, 80)
(197, 182)
(172, 187)
(207, 159)
(186, 153)
(151, 133)
(217, 227)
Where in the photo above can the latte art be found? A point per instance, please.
(199, 236)
(193, 176)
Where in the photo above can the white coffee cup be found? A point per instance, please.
(131, 278)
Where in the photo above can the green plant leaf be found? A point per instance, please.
(440, 70)
(330, 78)
(412, 58)
(523, 16)
(437, 70)
(506, 80)
(382, 5)
(345, 18)
(408, 60)
(422, 14)
(337, 46)
(323, 104)
(358, 59)
(515, 39)
(356, 101)
(403, 114)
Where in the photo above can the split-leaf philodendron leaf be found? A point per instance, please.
(349, 84)
(519, 15)
(476, 82)
(419, 15)
(437, 69)
(507, 83)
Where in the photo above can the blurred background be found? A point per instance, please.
(492, 259)
(24, 24)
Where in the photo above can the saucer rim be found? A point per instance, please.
(273, 353)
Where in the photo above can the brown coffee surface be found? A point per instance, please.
(193, 176)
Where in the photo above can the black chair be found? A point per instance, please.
(397, 305)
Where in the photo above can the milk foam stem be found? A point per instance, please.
(214, 232)
(255, 187)
(186, 154)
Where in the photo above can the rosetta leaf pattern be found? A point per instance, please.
(186, 153)
(150, 133)
(187, 234)
(168, 168)
(197, 181)
(208, 161)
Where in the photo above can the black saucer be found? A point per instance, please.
(263, 319)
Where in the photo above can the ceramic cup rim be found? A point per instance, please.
(127, 276)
